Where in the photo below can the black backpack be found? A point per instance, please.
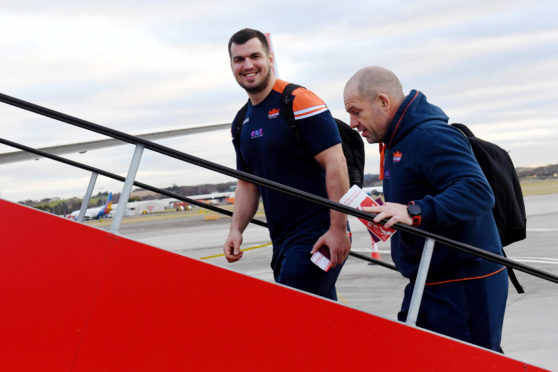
(351, 141)
(509, 209)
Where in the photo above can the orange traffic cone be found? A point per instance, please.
(375, 253)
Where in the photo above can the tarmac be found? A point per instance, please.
(530, 327)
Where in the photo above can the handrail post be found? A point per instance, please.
(87, 197)
(127, 189)
(420, 280)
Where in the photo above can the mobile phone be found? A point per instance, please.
(322, 258)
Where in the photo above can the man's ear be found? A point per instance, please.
(272, 60)
(384, 101)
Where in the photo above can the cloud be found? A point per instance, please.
(142, 66)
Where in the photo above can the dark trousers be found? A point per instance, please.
(294, 269)
(469, 310)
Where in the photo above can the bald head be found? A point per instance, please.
(372, 97)
(368, 82)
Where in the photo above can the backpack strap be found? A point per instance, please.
(286, 108)
(237, 125)
(513, 277)
(353, 149)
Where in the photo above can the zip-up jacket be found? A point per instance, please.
(431, 163)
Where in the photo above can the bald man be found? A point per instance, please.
(432, 180)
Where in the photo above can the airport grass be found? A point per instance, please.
(173, 214)
(533, 186)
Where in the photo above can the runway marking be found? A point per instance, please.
(369, 250)
(242, 250)
(543, 260)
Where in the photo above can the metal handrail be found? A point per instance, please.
(270, 184)
(170, 194)
(122, 179)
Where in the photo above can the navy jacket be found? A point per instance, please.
(431, 163)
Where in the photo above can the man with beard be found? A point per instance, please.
(432, 180)
(311, 161)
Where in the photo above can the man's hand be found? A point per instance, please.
(232, 246)
(245, 206)
(338, 244)
(337, 184)
(393, 212)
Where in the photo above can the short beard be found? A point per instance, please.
(258, 88)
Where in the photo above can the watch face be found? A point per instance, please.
(414, 210)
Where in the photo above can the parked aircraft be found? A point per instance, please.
(95, 213)
(216, 198)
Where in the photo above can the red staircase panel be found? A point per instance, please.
(49, 274)
(81, 299)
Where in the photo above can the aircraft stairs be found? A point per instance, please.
(82, 299)
(76, 298)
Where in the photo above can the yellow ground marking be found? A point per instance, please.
(242, 250)
(339, 297)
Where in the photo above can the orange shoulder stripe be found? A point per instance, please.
(280, 85)
(307, 104)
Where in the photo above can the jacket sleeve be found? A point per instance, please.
(446, 161)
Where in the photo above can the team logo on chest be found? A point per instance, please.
(397, 156)
(256, 133)
(273, 113)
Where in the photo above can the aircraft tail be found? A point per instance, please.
(108, 205)
(106, 208)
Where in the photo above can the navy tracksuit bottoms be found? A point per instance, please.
(468, 310)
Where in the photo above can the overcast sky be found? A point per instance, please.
(144, 66)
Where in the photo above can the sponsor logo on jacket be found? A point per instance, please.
(273, 113)
(256, 133)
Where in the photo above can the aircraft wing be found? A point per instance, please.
(81, 147)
